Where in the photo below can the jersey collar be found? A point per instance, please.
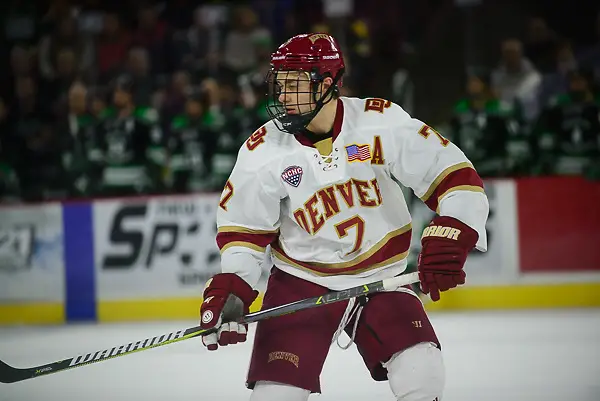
(337, 126)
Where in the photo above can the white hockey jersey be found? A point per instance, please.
(333, 212)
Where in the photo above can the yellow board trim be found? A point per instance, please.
(513, 297)
(517, 296)
(510, 297)
(32, 313)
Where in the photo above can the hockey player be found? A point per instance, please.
(318, 183)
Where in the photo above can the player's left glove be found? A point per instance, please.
(446, 242)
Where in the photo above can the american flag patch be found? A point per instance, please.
(292, 175)
(358, 153)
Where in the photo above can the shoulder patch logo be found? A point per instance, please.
(292, 175)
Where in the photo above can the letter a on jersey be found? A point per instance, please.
(292, 175)
(377, 151)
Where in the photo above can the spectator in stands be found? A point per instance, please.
(111, 47)
(402, 85)
(64, 35)
(97, 101)
(566, 138)
(140, 70)
(540, 45)
(489, 130)
(191, 144)
(236, 125)
(151, 34)
(75, 130)
(556, 82)
(516, 79)
(54, 90)
(128, 146)
(22, 62)
(239, 53)
(26, 106)
(39, 167)
(37, 158)
(197, 48)
(176, 95)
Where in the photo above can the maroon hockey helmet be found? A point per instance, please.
(318, 56)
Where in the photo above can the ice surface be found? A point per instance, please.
(490, 356)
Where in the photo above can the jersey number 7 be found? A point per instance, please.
(226, 196)
(426, 130)
(343, 227)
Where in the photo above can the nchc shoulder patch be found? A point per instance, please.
(292, 175)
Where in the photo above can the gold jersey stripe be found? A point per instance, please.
(244, 230)
(243, 244)
(471, 188)
(441, 177)
(363, 256)
(389, 261)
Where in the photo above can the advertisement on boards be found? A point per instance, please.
(31, 253)
(155, 247)
(499, 264)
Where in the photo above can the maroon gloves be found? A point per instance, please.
(227, 297)
(446, 243)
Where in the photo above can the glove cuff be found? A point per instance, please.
(230, 283)
(450, 229)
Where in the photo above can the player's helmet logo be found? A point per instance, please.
(297, 69)
(292, 175)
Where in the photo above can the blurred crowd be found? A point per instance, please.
(103, 99)
(537, 112)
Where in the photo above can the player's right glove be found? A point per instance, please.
(227, 297)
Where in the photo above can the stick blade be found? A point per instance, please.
(8, 374)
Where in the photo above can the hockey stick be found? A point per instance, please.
(8, 374)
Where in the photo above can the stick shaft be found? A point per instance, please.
(9, 374)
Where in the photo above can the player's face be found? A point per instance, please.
(295, 92)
